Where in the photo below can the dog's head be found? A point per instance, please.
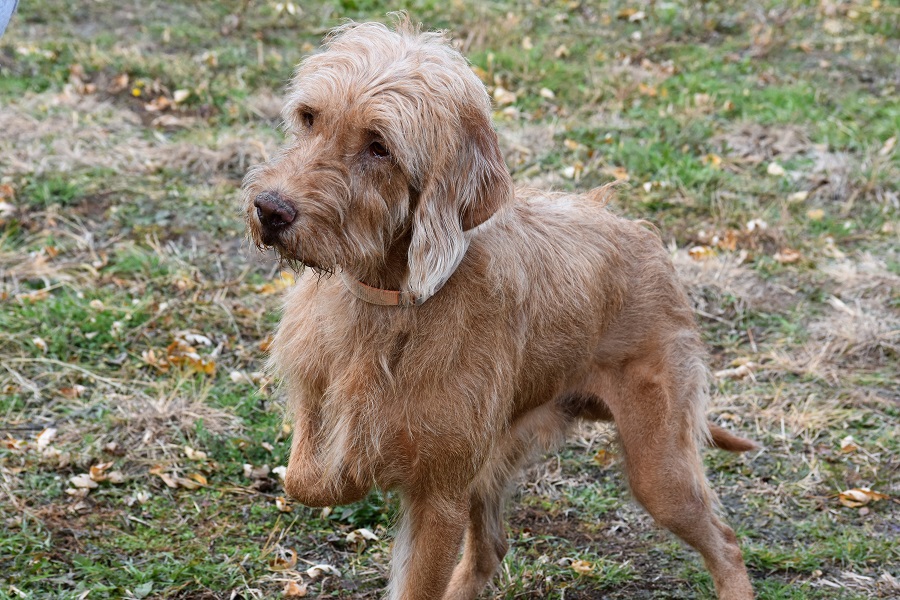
(390, 139)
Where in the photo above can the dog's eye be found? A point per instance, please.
(378, 149)
(307, 118)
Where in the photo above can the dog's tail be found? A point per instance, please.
(725, 440)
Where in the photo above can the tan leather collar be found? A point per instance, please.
(378, 296)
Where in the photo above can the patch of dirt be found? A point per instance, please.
(709, 281)
(756, 143)
(86, 132)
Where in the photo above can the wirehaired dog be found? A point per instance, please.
(469, 324)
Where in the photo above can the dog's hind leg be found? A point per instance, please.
(485, 539)
(657, 408)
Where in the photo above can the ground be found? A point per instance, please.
(139, 434)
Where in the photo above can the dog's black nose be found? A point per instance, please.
(274, 212)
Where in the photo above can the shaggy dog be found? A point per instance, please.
(469, 324)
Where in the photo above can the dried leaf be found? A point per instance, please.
(282, 504)
(848, 444)
(740, 372)
(757, 225)
(787, 256)
(167, 479)
(604, 458)
(98, 471)
(582, 567)
(856, 497)
(40, 344)
(199, 478)
(361, 534)
(188, 484)
(713, 160)
(83, 481)
(292, 589)
(775, 169)
(503, 96)
(256, 472)
(283, 564)
(316, 571)
(44, 438)
(194, 454)
(701, 252)
(115, 477)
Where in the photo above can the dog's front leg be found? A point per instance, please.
(308, 481)
(427, 544)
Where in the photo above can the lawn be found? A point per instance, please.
(140, 436)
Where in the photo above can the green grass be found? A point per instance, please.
(125, 238)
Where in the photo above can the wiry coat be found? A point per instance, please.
(529, 310)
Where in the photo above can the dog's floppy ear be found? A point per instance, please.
(462, 191)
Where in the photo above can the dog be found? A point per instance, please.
(467, 324)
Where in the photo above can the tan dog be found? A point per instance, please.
(470, 324)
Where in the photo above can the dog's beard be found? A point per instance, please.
(294, 260)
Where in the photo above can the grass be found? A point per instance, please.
(760, 138)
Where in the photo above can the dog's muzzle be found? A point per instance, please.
(275, 214)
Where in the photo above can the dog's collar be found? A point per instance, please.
(378, 296)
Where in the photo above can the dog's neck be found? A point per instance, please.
(381, 284)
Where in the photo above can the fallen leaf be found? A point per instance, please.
(199, 478)
(701, 252)
(283, 564)
(637, 16)
(44, 438)
(848, 444)
(740, 372)
(282, 504)
(503, 96)
(167, 479)
(194, 454)
(158, 104)
(316, 571)
(98, 471)
(582, 567)
(292, 589)
(256, 472)
(361, 534)
(40, 344)
(604, 458)
(83, 481)
(280, 471)
(713, 160)
(856, 497)
(621, 174)
(180, 96)
(775, 169)
(7, 192)
(115, 477)
(787, 256)
(188, 484)
(888, 146)
(757, 224)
